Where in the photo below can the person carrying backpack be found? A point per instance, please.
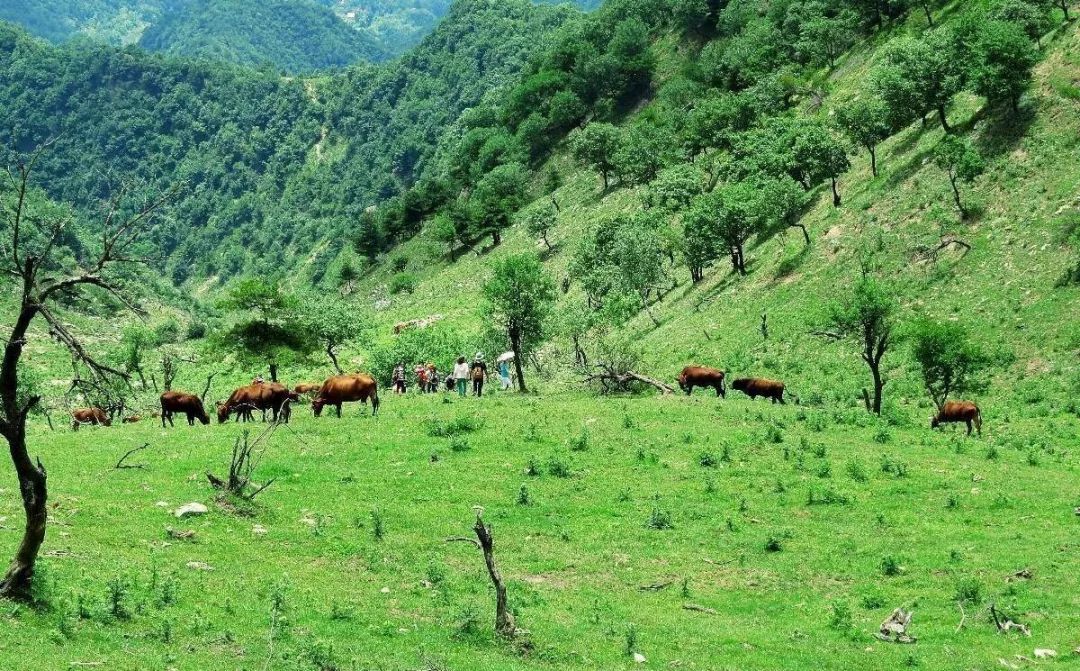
(479, 374)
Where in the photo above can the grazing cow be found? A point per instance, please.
(754, 387)
(306, 388)
(93, 416)
(186, 404)
(958, 411)
(263, 396)
(699, 376)
(347, 389)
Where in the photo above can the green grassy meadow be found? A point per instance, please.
(799, 528)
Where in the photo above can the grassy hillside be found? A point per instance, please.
(1007, 288)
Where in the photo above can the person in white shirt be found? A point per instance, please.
(461, 376)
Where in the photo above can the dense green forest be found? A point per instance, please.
(274, 166)
(289, 35)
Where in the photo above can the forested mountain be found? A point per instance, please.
(273, 167)
(294, 36)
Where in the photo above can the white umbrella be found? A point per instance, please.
(508, 356)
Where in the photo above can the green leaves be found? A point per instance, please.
(949, 360)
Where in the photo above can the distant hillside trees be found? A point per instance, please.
(1002, 61)
(519, 297)
(596, 146)
(866, 123)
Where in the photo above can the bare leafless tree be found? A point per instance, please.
(44, 276)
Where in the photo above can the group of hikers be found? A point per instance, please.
(462, 373)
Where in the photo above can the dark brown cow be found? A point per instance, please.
(185, 404)
(347, 389)
(700, 376)
(93, 416)
(754, 387)
(958, 411)
(261, 396)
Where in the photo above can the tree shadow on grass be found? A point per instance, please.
(1004, 130)
(791, 264)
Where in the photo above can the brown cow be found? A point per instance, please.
(958, 411)
(305, 388)
(754, 387)
(186, 404)
(347, 389)
(93, 416)
(262, 396)
(699, 376)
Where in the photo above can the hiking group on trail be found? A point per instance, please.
(461, 374)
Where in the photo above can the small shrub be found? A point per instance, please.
(841, 619)
(820, 451)
(725, 455)
(856, 471)
(969, 591)
(710, 485)
(883, 436)
(459, 444)
(628, 422)
(558, 468)
(774, 434)
(468, 623)
(1033, 458)
(403, 283)
(896, 468)
(872, 601)
(580, 442)
(630, 643)
(826, 497)
(953, 502)
(708, 460)
(890, 566)
(377, 528)
(824, 470)
(774, 544)
(992, 453)
(659, 518)
(118, 592)
(779, 487)
(399, 263)
(523, 496)
(340, 613)
(532, 468)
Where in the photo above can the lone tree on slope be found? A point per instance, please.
(520, 295)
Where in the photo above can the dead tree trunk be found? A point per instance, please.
(33, 481)
(504, 619)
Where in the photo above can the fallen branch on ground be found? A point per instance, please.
(699, 609)
(120, 465)
(1005, 624)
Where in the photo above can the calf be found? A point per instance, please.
(958, 411)
(754, 387)
(699, 376)
(93, 416)
(176, 402)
